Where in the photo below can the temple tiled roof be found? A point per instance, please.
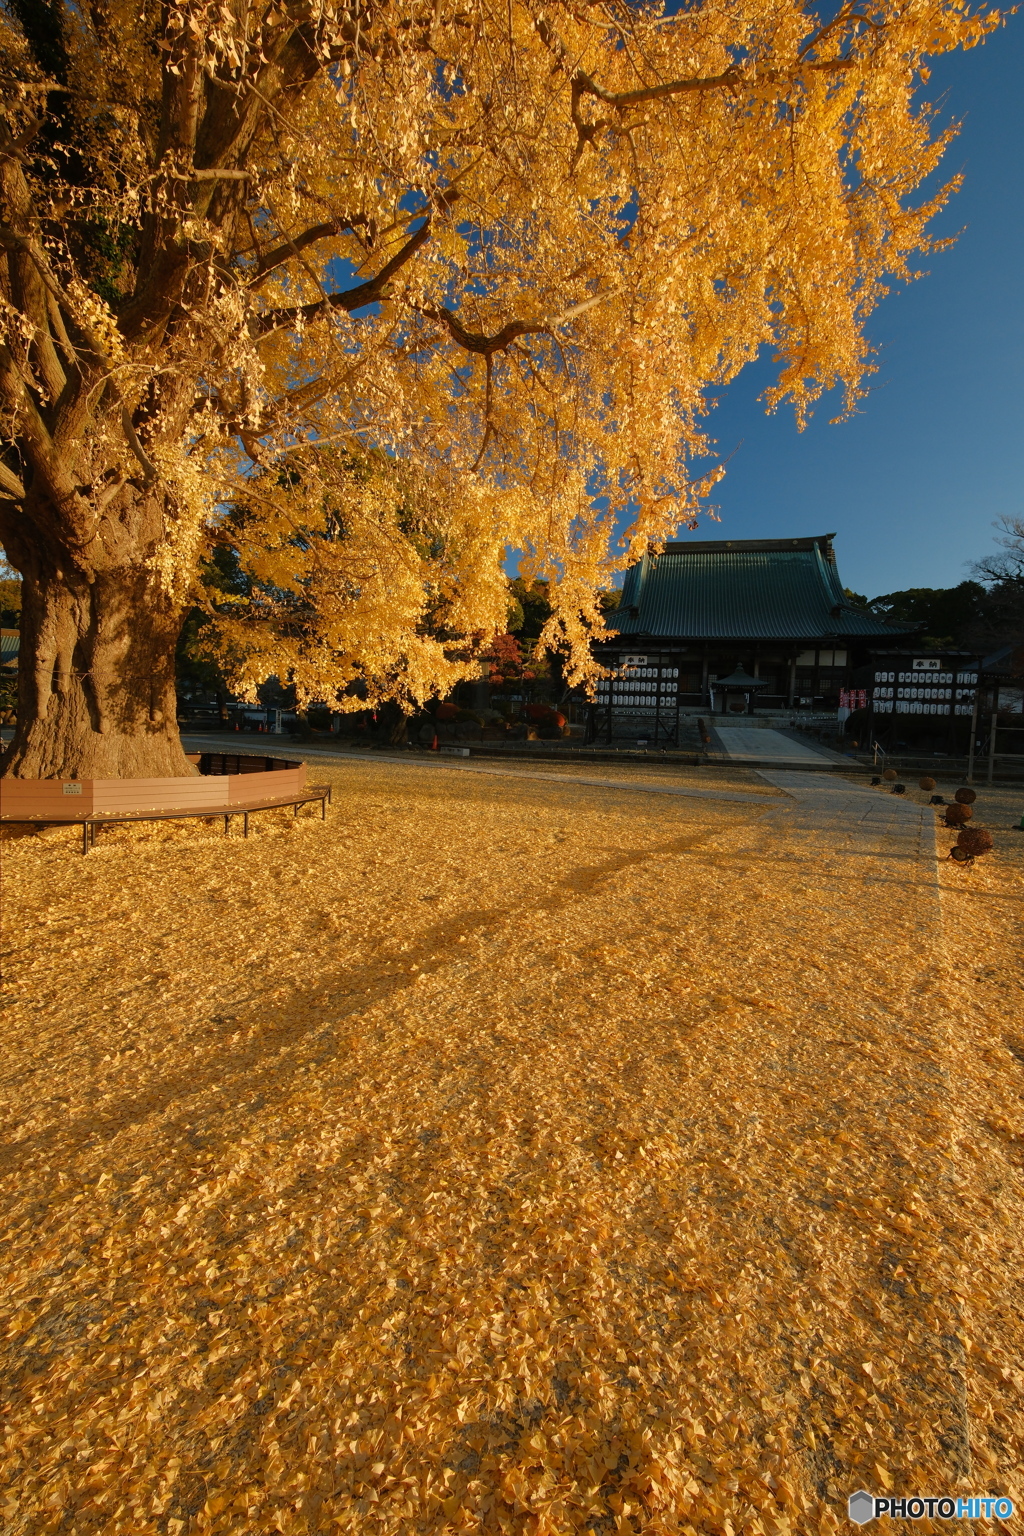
(744, 589)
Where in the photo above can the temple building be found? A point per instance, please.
(731, 626)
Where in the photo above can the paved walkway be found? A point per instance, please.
(438, 764)
(755, 745)
(861, 821)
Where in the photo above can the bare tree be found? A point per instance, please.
(1003, 572)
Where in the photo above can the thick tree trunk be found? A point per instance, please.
(395, 722)
(96, 695)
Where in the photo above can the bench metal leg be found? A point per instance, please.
(90, 827)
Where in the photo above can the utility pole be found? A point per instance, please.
(992, 732)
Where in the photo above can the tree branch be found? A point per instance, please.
(847, 14)
(620, 100)
(41, 452)
(10, 484)
(581, 308)
(583, 84)
(352, 298)
(488, 423)
(277, 257)
(476, 341)
(134, 443)
(215, 173)
(486, 346)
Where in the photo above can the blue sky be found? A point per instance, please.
(912, 486)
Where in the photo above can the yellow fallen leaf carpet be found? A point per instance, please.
(508, 1157)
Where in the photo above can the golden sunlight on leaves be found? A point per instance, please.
(251, 249)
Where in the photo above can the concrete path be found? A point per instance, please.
(860, 820)
(438, 764)
(754, 745)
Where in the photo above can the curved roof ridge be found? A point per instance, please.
(744, 589)
(681, 546)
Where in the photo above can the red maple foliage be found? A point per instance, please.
(507, 663)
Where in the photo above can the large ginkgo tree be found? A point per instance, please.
(379, 291)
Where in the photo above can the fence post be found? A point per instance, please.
(992, 732)
(974, 731)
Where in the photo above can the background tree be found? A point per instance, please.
(10, 596)
(221, 580)
(10, 615)
(947, 615)
(507, 244)
(507, 663)
(1002, 620)
(533, 608)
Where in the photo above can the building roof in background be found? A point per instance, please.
(745, 589)
(1007, 661)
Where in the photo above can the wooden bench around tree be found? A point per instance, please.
(229, 784)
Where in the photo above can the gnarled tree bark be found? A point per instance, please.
(96, 694)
